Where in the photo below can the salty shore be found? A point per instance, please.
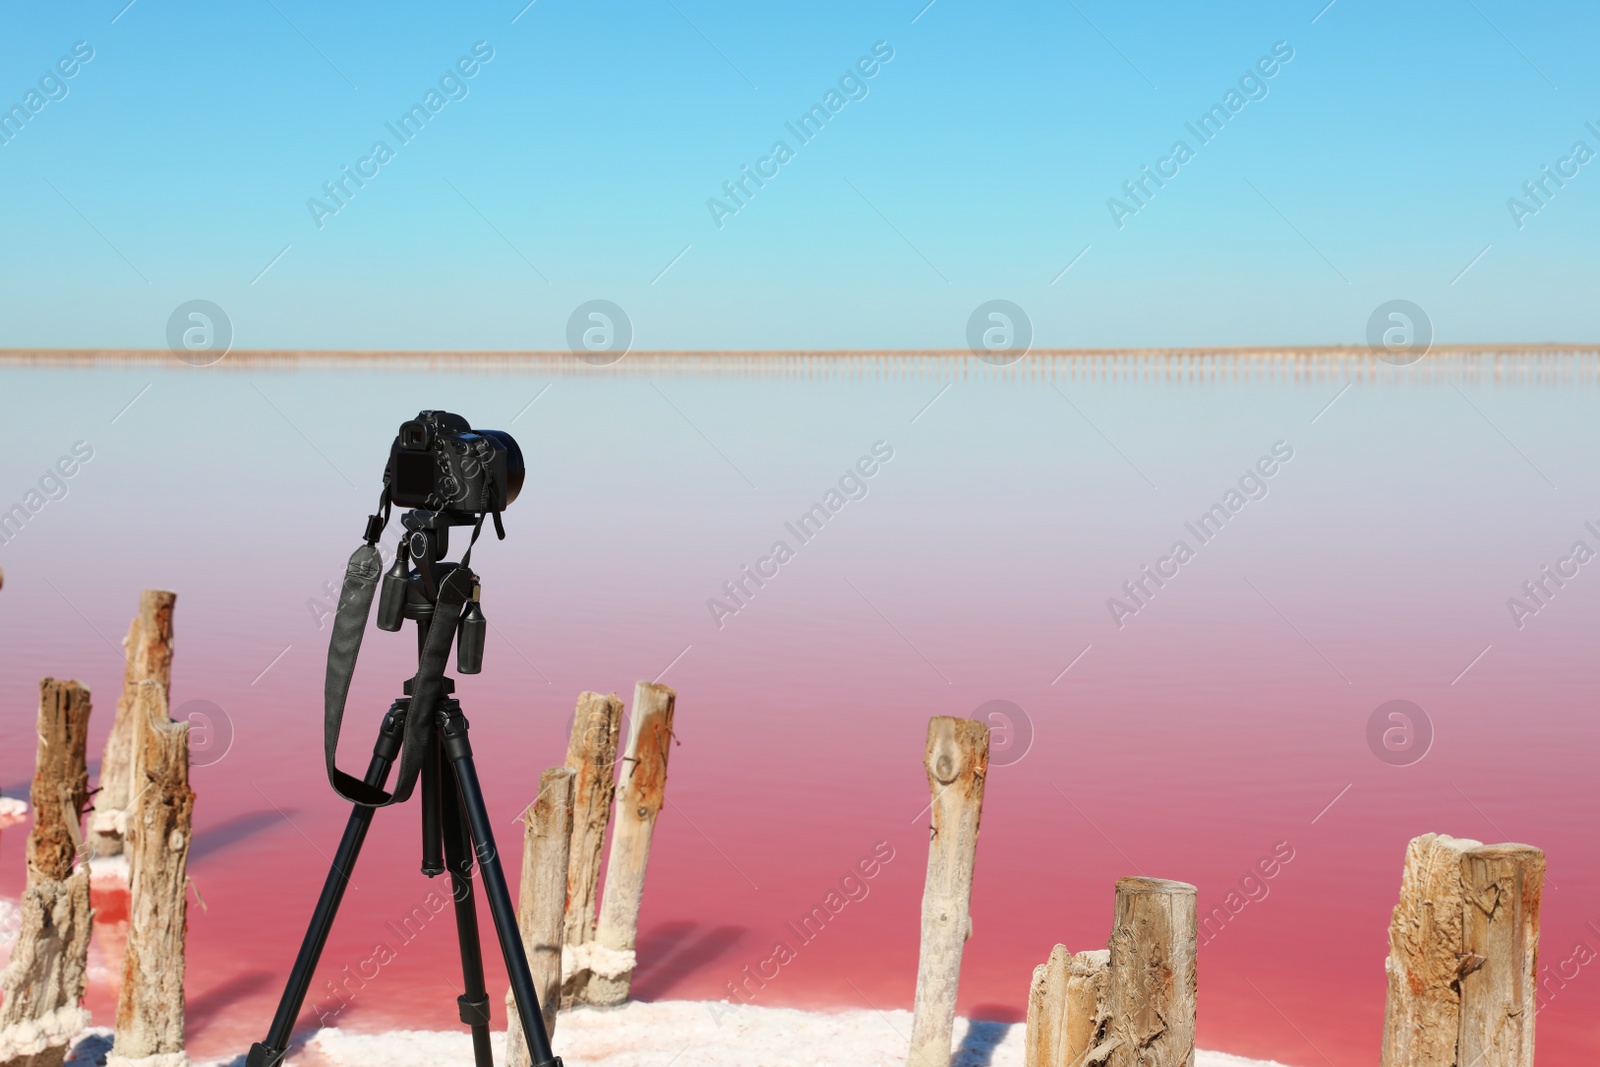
(663, 1033)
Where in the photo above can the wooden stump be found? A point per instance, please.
(592, 756)
(541, 909)
(1152, 974)
(148, 649)
(1501, 888)
(640, 795)
(957, 759)
(1087, 1013)
(43, 983)
(1463, 946)
(1422, 1018)
(60, 781)
(150, 1010)
(1047, 1001)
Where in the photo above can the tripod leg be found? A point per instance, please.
(270, 1052)
(474, 1004)
(432, 861)
(458, 751)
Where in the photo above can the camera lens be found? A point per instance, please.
(515, 471)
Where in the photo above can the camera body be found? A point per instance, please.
(439, 463)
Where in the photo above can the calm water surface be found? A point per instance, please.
(1185, 731)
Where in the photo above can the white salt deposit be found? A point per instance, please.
(705, 1034)
(668, 1034)
(107, 870)
(12, 811)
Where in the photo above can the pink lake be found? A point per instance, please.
(1223, 721)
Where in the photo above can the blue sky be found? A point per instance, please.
(579, 162)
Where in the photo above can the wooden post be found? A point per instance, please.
(1422, 1018)
(1502, 887)
(592, 756)
(1087, 1013)
(148, 649)
(1463, 947)
(547, 835)
(1047, 999)
(1152, 975)
(957, 758)
(44, 981)
(150, 1009)
(640, 795)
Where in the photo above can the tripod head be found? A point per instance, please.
(413, 594)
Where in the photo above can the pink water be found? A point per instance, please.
(1224, 721)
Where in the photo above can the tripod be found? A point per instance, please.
(454, 819)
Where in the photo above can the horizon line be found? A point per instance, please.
(1345, 351)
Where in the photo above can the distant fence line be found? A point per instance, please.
(1542, 364)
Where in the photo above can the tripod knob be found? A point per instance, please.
(392, 598)
(470, 639)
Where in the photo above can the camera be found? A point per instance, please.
(439, 463)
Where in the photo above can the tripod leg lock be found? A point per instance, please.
(474, 1012)
(453, 732)
(392, 732)
(262, 1056)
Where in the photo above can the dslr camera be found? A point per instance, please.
(439, 463)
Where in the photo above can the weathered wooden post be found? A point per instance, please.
(1463, 946)
(150, 1009)
(1152, 974)
(640, 796)
(43, 983)
(592, 756)
(149, 658)
(1087, 1011)
(1502, 887)
(1047, 1001)
(1422, 1018)
(957, 758)
(541, 909)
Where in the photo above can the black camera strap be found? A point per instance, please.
(349, 626)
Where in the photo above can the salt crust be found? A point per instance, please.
(710, 1034)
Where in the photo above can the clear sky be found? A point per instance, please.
(578, 160)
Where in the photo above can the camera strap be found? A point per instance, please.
(349, 626)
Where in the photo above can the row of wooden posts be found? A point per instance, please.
(581, 946)
(1462, 965)
(143, 808)
(1463, 939)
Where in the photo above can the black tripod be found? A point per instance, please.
(453, 818)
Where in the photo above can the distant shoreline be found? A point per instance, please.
(260, 357)
(1539, 365)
